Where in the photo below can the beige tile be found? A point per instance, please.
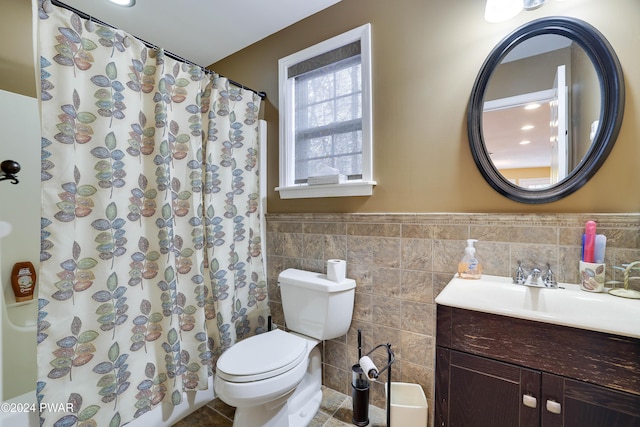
(373, 229)
(386, 281)
(386, 311)
(451, 232)
(418, 317)
(284, 226)
(333, 422)
(204, 417)
(363, 307)
(417, 231)
(335, 354)
(385, 252)
(313, 246)
(417, 254)
(320, 419)
(221, 407)
(494, 258)
(416, 374)
(622, 238)
(331, 401)
(274, 243)
(359, 250)
(324, 228)
(440, 280)
(335, 247)
(417, 348)
(292, 244)
(533, 256)
(417, 286)
(447, 254)
(361, 273)
(337, 379)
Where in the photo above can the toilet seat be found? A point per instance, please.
(262, 356)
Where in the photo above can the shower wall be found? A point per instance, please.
(20, 203)
(19, 206)
(401, 261)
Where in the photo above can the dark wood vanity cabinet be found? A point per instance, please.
(496, 371)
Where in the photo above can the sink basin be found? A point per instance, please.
(567, 305)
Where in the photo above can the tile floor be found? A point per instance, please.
(335, 411)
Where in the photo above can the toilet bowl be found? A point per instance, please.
(274, 379)
(262, 392)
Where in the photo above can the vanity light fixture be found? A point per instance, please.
(502, 10)
(533, 4)
(527, 127)
(125, 3)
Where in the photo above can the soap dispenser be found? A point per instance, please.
(469, 267)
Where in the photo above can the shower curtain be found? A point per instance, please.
(151, 261)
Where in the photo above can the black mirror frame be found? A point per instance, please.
(611, 80)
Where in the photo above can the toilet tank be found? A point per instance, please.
(314, 305)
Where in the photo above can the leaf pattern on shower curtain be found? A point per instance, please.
(150, 234)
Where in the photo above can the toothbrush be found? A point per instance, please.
(589, 240)
(599, 248)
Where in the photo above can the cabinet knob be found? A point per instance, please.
(529, 401)
(554, 407)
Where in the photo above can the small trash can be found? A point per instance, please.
(408, 405)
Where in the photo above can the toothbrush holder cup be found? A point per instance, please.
(592, 276)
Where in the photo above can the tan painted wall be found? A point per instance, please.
(426, 55)
(17, 73)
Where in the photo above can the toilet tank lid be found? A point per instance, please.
(314, 281)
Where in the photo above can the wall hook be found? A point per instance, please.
(9, 170)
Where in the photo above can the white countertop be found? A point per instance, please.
(568, 305)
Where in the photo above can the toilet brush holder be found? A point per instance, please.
(360, 396)
(360, 390)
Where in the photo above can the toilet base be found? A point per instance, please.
(303, 416)
(295, 409)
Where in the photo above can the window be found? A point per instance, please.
(325, 118)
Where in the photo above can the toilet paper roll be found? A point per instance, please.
(336, 270)
(368, 367)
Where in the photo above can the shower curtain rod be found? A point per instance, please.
(84, 15)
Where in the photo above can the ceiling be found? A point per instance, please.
(503, 135)
(202, 31)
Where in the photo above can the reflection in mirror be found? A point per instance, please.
(571, 73)
(540, 105)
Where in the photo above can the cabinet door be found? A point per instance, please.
(480, 392)
(570, 403)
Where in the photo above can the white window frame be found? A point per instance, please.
(288, 189)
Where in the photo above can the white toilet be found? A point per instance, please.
(274, 379)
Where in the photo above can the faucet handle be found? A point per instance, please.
(550, 278)
(520, 276)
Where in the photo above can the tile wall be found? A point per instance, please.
(401, 261)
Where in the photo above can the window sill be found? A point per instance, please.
(346, 189)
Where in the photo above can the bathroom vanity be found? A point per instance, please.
(499, 370)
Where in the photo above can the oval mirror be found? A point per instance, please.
(545, 109)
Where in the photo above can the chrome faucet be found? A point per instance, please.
(535, 277)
